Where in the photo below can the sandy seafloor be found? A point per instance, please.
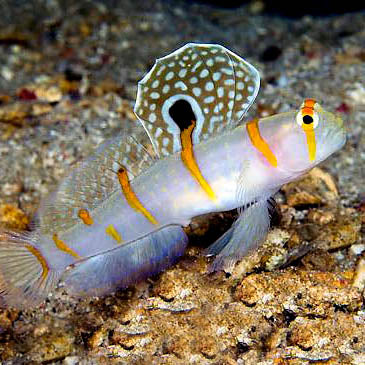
(68, 74)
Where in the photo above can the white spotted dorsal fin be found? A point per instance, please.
(202, 81)
(92, 181)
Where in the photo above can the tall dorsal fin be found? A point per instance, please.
(202, 83)
(92, 181)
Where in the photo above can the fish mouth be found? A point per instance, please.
(340, 136)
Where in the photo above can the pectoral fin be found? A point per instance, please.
(246, 234)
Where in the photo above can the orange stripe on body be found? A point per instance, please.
(40, 258)
(63, 247)
(187, 157)
(259, 143)
(111, 231)
(131, 197)
(84, 215)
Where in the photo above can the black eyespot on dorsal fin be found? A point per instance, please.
(182, 114)
(219, 85)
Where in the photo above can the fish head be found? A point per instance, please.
(302, 139)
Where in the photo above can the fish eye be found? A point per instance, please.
(307, 119)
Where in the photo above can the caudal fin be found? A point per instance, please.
(127, 264)
(25, 276)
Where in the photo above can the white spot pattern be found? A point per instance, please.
(209, 86)
(219, 86)
(169, 76)
(204, 73)
(155, 83)
(155, 95)
(196, 66)
(227, 71)
(183, 72)
(210, 62)
(160, 70)
(217, 76)
(197, 91)
(240, 85)
(220, 59)
(180, 85)
(158, 132)
(152, 118)
(209, 99)
(229, 82)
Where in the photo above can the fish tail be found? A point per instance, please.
(25, 275)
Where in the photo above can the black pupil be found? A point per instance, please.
(182, 114)
(307, 119)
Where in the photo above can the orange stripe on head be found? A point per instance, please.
(40, 258)
(311, 143)
(308, 110)
(308, 107)
(131, 197)
(187, 157)
(309, 103)
(259, 143)
(84, 215)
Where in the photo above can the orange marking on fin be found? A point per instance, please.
(35, 252)
(63, 247)
(187, 157)
(131, 197)
(85, 216)
(259, 143)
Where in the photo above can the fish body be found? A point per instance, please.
(118, 216)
